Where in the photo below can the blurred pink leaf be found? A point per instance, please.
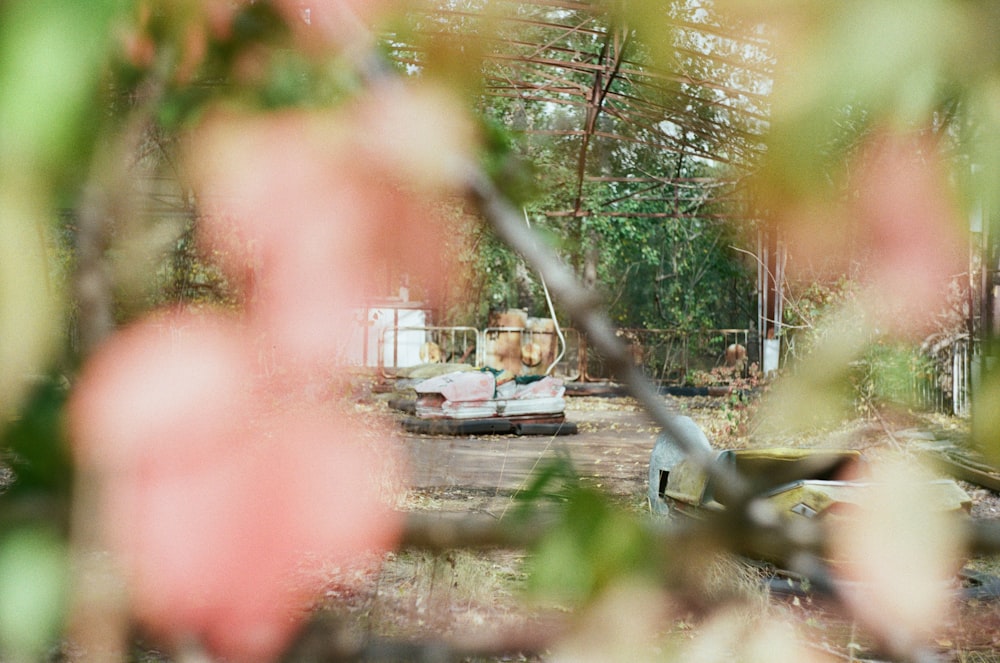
(337, 23)
(305, 209)
(898, 554)
(911, 225)
(210, 499)
(897, 218)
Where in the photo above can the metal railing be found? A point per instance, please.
(403, 347)
(944, 381)
(523, 350)
(666, 356)
(941, 380)
(671, 357)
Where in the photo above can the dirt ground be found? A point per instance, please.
(417, 594)
(611, 448)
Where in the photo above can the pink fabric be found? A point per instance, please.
(544, 388)
(471, 395)
(460, 386)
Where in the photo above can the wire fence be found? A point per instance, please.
(938, 377)
(944, 381)
(666, 356)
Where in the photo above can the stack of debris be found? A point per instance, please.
(490, 402)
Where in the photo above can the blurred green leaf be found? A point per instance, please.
(52, 55)
(594, 544)
(33, 580)
(986, 417)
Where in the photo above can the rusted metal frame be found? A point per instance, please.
(641, 215)
(715, 31)
(706, 128)
(499, 16)
(692, 182)
(673, 147)
(537, 49)
(562, 31)
(569, 96)
(638, 77)
(656, 112)
(644, 121)
(635, 80)
(634, 67)
(712, 139)
(645, 77)
(555, 4)
(548, 25)
(666, 147)
(545, 74)
(728, 60)
(654, 73)
(536, 64)
(548, 100)
(550, 44)
(718, 31)
(599, 92)
(559, 94)
(673, 197)
(551, 62)
(726, 95)
(709, 130)
(540, 80)
(634, 77)
(634, 194)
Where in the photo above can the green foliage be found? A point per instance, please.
(887, 374)
(51, 57)
(661, 251)
(37, 447)
(986, 417)
(593, 543)
(806, 306)
(664, 258)
(34, 577)
(673, 273)
(186, 277)
(506, 165)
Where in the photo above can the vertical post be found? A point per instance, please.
(770, 268)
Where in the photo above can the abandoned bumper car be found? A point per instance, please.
(812, 484)
(799, 483)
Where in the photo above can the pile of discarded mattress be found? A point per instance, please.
(486, 401)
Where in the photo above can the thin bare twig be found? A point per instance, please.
(586, 310)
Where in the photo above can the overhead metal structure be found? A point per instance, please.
(573, 72)
(675, 121)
